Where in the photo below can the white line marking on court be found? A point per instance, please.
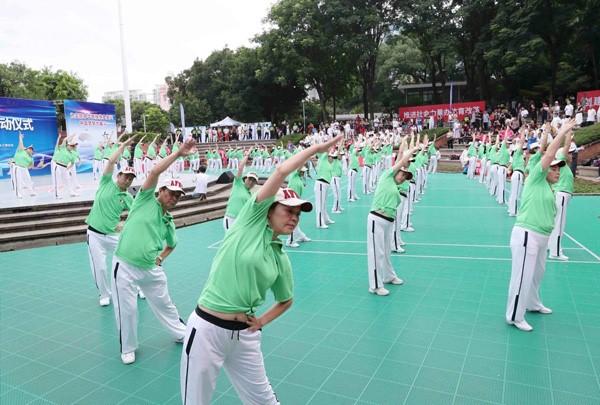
(422, 256)
(430, 244)
(583, 247)
(216, 243)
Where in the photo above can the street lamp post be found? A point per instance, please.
(303, 117)
(144, 119)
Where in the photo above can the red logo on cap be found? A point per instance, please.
(289, 193)
(175, 183)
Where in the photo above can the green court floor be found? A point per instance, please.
(440, 338)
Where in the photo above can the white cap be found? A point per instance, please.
(289, 197)
(252, 175)
(173, 185)
(560, 163)
(127, 170)
(409, 175)
(572, 147)
(534, 145)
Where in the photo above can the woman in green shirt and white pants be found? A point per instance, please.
(530, 235)
(224, 330)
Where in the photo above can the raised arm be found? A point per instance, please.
(152, 180)
(544, 139)
(21, 136)
(567, 145)
(548, 157)
(273, 183)
(110, 165)
(242, 164)
(402, 159)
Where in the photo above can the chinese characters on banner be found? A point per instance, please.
(589, 98)
(441, 110)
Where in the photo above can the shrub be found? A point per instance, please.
(587, 134)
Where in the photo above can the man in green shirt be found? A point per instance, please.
(64, 160)
(140, 253)
(530, 235)
(354, 165)
(240, 192)
(516, 179)
(296, 183)
(111, 199)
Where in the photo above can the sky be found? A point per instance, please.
(161, 37)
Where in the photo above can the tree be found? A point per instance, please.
(156, 120)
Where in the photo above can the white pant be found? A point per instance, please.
(396, 243)
(351, 184)
(61, 175)
(488, 174)
(433, 164)
(501, 184)
(379, 232)
(127, 280)
(73, 174)
(22, 181)
(137, 166)
(296, 236)
(494, 179)
(528, 250)
(555, 243)
(101, 247)
(227, 222)
(366, 175)
(516, 184)
(471, 170)
(321, 202)
(208, 347)
(97, 169)
(337, 193)
(482, 170)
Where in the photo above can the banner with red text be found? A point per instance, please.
(587, 99)
(441, 110)
(91, 123)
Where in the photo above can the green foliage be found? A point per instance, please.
(293, 138)
(19, 81)
(587, 134)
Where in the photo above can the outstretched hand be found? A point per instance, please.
(185, 149)
(325, 146)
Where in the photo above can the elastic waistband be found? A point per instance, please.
(91, 228)
(60, 164)
(323, 181)
(369, 166)
(504, 165)
(403, 194)
(221, 323)
(377, 214)
(517, 170)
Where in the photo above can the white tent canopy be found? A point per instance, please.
(226, 122)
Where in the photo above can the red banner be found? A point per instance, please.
(592, 99)
(441, 110)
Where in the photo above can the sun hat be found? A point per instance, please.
(173, 185)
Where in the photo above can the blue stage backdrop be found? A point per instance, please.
(36, 120)
(91, 123)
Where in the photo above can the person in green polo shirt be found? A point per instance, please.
(139, 257)
(380, 222)
(240, 192)
(23, 161)
(296, 182)
(64, 160)
(530, 235)
(224, 329)
(111, 199)
(563, 190)
(516, 178)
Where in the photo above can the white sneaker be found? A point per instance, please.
(294, 245)
(104, 301)
(402, 243)
(399, 250)
(379, 291)
(560, 257)
(141, 295)
(409, 229)
(305, 239)
(542, 310)
(395, 281)
(523, 325)
(128, 358)
(336, 212)
(180, 340)
(322, 226)
(329, 221)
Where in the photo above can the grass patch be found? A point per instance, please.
(581, 186)
(587, 134)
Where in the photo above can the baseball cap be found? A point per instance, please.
(30, 147)
(572, 147)
(173, 185)
(252, 175)
(409, 175)
(127, 170)
(559, 163)
(289, 197)
(534, 145)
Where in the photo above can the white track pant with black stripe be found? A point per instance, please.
(61, 175)
(321, 189)
(366, 175)
(493, 179)
(22, 181)
(379, 233)
(555, 243)
(528, 251)
(482, 170)
(516, 185)
(433, 164)
(501, 184)
(471, 169)
(296, 236)
(227, 222)
(207, 348)
(126, 281)
(101, 247)
(351, 184)
(396, 239)
(337, 193)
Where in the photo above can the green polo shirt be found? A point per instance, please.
(494, 157)
(295, 183)
(126, 154)
(518, 162)
(354, 162)
(537, 203)
(22, 158)
(471, 151)
(151, 152)
(145, 230)
(533, 160)
(336, 168)
(565, 183)
(265, 154)
(324, 167)
(504, 157)
(248, 264)
(238, 197)
(63, 156)
(109, 203)
(162, 152)
(386, 198)
(98, 154)
(138, 152)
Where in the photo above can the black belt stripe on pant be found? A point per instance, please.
(522, 273)
(374, 253)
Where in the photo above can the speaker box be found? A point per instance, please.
(226, 177)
